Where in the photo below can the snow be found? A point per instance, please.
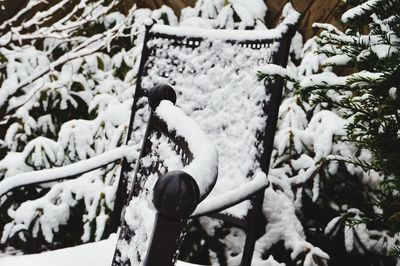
(338, 60)
(113, 18)
(43, 152)
(359, 10)
(237, 35)
(204, 8)
(364, 74)
(359, 238)
(257, 8)
(139, 217)
(211, 81)
(383, 50)
(275, 70)
(393, 93)
(98, 253)
(290, 15)
(195, 22)
(232, 197)
(59, 173)
(202, 90)
(322, 79)
(53, 209)
(310, 142)
(325, 125)
(157, 14)
(246, 18)
(284, 225)
(311, 61)
(75, 136)
(204, 167)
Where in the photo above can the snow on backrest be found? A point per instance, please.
(214, 75)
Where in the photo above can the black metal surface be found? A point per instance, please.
(161, 92)
(192, 42)
(122, 193)
(272, 109)
(176, 195)
(254, 217)
(164, 245)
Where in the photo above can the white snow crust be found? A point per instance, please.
(98, 253)
(204, 167)
(359, 10)
(47, 175)
(222, 34)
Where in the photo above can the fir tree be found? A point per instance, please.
(356, 82)
(369, 49)
(363, 87)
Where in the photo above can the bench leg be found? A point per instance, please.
(164, 246)
(254, 228)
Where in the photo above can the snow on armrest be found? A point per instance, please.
(59, 173)
(204, 166)
(232, 197)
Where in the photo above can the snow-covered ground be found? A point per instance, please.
(92, 254)
(98, 253)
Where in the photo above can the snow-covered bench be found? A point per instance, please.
(214, 75)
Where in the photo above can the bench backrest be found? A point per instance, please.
(214, 74)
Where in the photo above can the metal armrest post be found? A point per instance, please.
(176, 196)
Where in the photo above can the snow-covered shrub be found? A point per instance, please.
(364, 87)
(66, 90)
(350, 146)
(220, 14)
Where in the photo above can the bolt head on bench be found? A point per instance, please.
(176, 195)
(161, 92)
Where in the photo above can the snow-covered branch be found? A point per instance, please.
(59, 173)
(89, 46)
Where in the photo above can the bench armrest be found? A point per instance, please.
(176, 194)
